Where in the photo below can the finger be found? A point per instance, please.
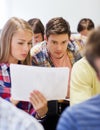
(33, 99)
(40, 96)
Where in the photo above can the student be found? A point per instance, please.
(84, 83)
(12, 118)
(15, 45)
(84, 26)
(85, 115)
(56, 51)
(38, 30)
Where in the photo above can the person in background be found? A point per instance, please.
(85, 115)
(84, 27)
(38, 30)
(56, 51)
(84, 83)
(12, 118)
(15, 45)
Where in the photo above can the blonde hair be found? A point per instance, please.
(12, 25)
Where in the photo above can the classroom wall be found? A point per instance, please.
(71, 10)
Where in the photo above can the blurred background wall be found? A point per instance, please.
(71, 10)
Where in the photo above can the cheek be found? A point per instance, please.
(12, 49)
(40, 37)
(13, 52)
(51, 47)
(65, 47)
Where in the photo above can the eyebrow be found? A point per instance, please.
(21, 39)
(65, 41)
(62, 41)
(24, 40)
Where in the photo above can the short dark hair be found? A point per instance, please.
(37, 25)
(57, 25)
(93, 47)
(84, 24)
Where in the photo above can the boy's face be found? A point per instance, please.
(57, 45)
(37, 38)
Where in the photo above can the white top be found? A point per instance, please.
(12, 118)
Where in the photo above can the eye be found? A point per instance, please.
(21, 43)
(64, 42)
(29, 43)
(36, 37)
(54, 42)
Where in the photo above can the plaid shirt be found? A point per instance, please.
(5, 87)
(12, 118)
(40, 55)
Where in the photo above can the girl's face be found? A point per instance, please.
(20, 46)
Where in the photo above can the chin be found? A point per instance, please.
(59, 57)
(22, 59)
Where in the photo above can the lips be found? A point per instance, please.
(24, 55)
(58, 53)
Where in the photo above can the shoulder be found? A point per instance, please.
(67, 120)
(82, 68)
(38, 48)
(74, 51)
(89, 106)
(82, 63)
(77, 115)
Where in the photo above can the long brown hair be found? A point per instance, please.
(12, 25)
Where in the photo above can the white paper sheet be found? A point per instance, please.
(51, 82)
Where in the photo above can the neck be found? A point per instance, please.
(13, 61)
(62, 61)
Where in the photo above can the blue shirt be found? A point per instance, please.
(83, 116)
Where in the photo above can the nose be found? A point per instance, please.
(59, 47)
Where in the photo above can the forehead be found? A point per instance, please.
(37, 34)
(23, 34)
(58, 37)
